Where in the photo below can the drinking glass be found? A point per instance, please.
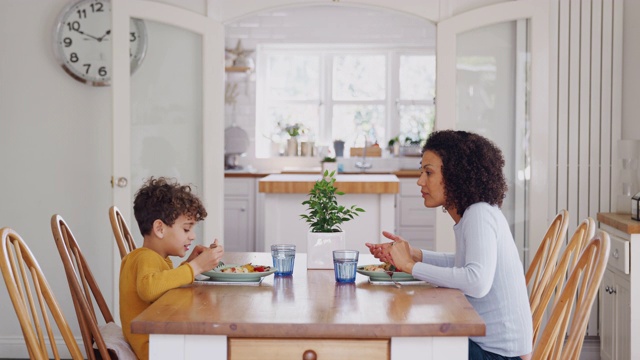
(345, 263)
(284, 256)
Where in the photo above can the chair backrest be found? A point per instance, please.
(544, 261)
(84, 289)
(563, 336)
(33, 300)
(568, 260)
(121, 231)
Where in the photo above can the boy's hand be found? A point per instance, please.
(206, 258)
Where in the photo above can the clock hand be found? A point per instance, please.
(105, 34)
(85, 34)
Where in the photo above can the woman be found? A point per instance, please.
(462, 172)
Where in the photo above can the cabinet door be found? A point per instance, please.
(622, 325)
(236, 227)
(607, 316)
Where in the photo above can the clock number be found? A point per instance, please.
(87, 66)
(97, 7)
(73, 26)
(67, 42)
(102, 71)
(82, 13)
(73, 58)
(133, 37)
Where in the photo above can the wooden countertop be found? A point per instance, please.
(622, 222)
(310, 304)
(349, 184)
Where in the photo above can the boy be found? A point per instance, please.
(166, 213)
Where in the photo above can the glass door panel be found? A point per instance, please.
(166, 110)
(491, 100)
(497, 58)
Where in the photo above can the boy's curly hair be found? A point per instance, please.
(166, 200)
(471, 168)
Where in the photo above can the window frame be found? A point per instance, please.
(326, 53)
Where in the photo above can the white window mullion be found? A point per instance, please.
(393, 96)
(327, 98)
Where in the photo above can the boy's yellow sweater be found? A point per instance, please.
(144, 277)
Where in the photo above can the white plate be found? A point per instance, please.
(217, 274)
(382, 275)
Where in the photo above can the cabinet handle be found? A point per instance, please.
(615, 254)
(309, 355)
(242, 210)
(606, 289)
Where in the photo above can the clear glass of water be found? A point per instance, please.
(284, 256)
(345, 263)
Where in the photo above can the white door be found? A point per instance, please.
(167, 116)
(497, 58)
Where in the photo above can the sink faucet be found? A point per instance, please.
(364, 165)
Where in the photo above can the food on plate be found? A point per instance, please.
(384, 267)
(246, 268)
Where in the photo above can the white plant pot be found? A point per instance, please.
(330, 166)
(320, 248)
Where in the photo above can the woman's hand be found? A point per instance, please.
(380, 251)
(400, 253)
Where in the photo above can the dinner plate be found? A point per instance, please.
(217, 274)
(382, 275)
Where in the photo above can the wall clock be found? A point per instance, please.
(82, 41)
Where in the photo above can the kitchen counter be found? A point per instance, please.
(350, 184)
(283, 195)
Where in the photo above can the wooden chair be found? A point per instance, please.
(121, 231)
(568, 260)
(26, 283)
(563, 336)
(85, 293)
(544, 261)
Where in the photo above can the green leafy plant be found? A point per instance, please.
(328, 159)
(294, 130)
(323, 212)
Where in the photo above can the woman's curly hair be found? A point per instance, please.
(166, 200)
(471, 168)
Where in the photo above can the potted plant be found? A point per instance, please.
(292, 143)
(329, 164)
(325, 216)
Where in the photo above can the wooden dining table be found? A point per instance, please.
(308, 316)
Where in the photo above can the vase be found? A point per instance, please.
(320, 248)
(292, 147)
(338, 147)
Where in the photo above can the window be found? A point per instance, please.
(337, 93)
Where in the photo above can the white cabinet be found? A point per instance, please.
(239, 214)
(619, 322)
(415, 222)
(615, 316)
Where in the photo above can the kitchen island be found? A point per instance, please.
(283, 195)
(308, 313)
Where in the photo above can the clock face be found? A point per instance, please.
(83, 41)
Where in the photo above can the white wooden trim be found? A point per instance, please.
(227, 11)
